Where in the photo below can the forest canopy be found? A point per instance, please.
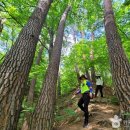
(47, 45)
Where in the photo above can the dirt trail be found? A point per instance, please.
(101, 110)
(99, 119)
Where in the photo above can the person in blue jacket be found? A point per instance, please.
(86, 91)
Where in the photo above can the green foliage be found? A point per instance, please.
(39, 71)
(68, 80)
(59, 117)
(67, 113)
(85, 16)
(127, 2)
(114, 100)
(126, 115)
(80, 56)
(1, 57)
(27, 107)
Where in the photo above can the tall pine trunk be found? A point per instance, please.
(16, 66)
(120, 66)
(43, 115)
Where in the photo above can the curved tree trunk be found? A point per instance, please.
(16, 66)
(43, 115)
(120, 66)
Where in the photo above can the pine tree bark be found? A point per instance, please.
(43, 115)
(15, 68)
(120, 66)
(51, 33)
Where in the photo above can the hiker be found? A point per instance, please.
(86, 91)
(99, 85)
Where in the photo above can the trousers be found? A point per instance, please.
(99, 88)
(83, 105)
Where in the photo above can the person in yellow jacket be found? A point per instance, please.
(86, 91)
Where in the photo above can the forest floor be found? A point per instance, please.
(70, 117)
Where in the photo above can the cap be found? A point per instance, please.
(82, 76)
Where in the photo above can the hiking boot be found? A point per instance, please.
(89, 115)
(85, 125)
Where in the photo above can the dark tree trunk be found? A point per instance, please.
(120, 66)
(87, 74)
(43, 115)
(31, 90)
(93, 74)
(1, 26)
(51, 33)
(16, 66)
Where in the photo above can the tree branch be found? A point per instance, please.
(43, 45)
(123, 32)
(4, 7)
